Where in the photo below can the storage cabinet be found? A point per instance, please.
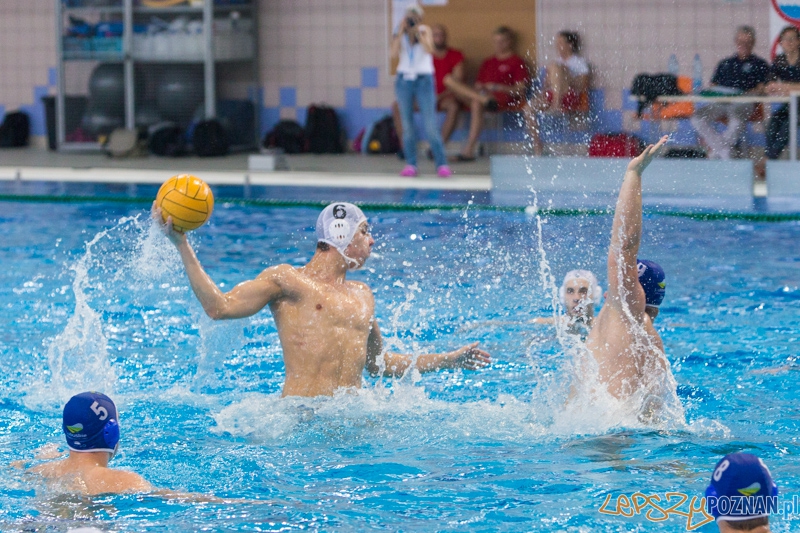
(161, 55)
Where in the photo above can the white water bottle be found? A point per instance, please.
(697, 74)
(672, 65)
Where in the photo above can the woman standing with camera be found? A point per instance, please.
(412, 45)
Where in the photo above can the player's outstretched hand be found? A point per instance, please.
(639, 163)
(470, 357)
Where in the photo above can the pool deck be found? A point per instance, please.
(307, 170)
(35, 173)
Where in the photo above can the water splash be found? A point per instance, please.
(77, 358)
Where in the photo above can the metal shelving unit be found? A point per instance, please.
(132, 49)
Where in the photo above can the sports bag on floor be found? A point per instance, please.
(382, 138)
(210, 139)
(15, 130)
(323, 131)
(288, 135)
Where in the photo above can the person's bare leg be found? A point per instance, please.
(398, 123)
(530, 113)
(475, 127)
(465, 92)
(451, 107)
(557, 80)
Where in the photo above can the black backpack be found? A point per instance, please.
(650, 86)
(288, 135)
(210, 139)
(323, 131)
(167, 140)
(15, 130)
(383, 138)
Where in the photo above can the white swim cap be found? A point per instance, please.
(337, 225)
(595, 291)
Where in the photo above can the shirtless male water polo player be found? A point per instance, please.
(627, 348)
(326, 323)
(91, 427)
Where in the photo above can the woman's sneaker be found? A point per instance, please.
(410, 171)
(444, 171)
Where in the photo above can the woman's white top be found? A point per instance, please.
(414, 60)
(576, 65)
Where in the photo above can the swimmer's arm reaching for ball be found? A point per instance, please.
(395, 364)
(626, 234)
(246, 299)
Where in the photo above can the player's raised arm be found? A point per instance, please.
(626, 233)
(246, 299)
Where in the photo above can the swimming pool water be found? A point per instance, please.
(494, 450)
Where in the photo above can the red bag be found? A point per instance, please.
(615, 145)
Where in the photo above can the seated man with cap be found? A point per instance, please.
(741, 494)
(326, 324)
(627, 348)
(91, 427)
(579, 294)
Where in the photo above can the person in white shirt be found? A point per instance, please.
(566, 81)
(413, 47)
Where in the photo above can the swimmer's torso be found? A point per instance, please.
(628, 355)
(323, 328)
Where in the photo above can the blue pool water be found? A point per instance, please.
(91, 297)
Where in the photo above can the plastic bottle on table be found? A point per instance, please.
(697, 74)
(672, 65)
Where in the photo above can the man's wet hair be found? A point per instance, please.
(323, 246)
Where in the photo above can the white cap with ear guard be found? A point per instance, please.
(595, 290)
(337, 225)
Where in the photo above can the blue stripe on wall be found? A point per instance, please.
(288, 97)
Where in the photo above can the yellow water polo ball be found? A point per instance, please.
(187, 199)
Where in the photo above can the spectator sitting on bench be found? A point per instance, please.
(785, 79)
(745, 73)
(565, 87)
(446, 61)
(501, 85)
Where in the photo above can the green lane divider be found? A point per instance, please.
(379, 206)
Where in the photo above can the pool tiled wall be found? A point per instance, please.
(335, 52)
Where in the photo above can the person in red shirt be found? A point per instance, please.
(446, 62)
(501, 84)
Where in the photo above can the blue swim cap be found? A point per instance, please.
(739, 487)
(90, 423)
(651, 277)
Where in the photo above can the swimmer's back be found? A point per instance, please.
(92, 480)
(627, 353)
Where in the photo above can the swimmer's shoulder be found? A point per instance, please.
(284, 270)
(102, 480)
(284, 275)
(46, 470)
(361, 288)
(51, 469)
